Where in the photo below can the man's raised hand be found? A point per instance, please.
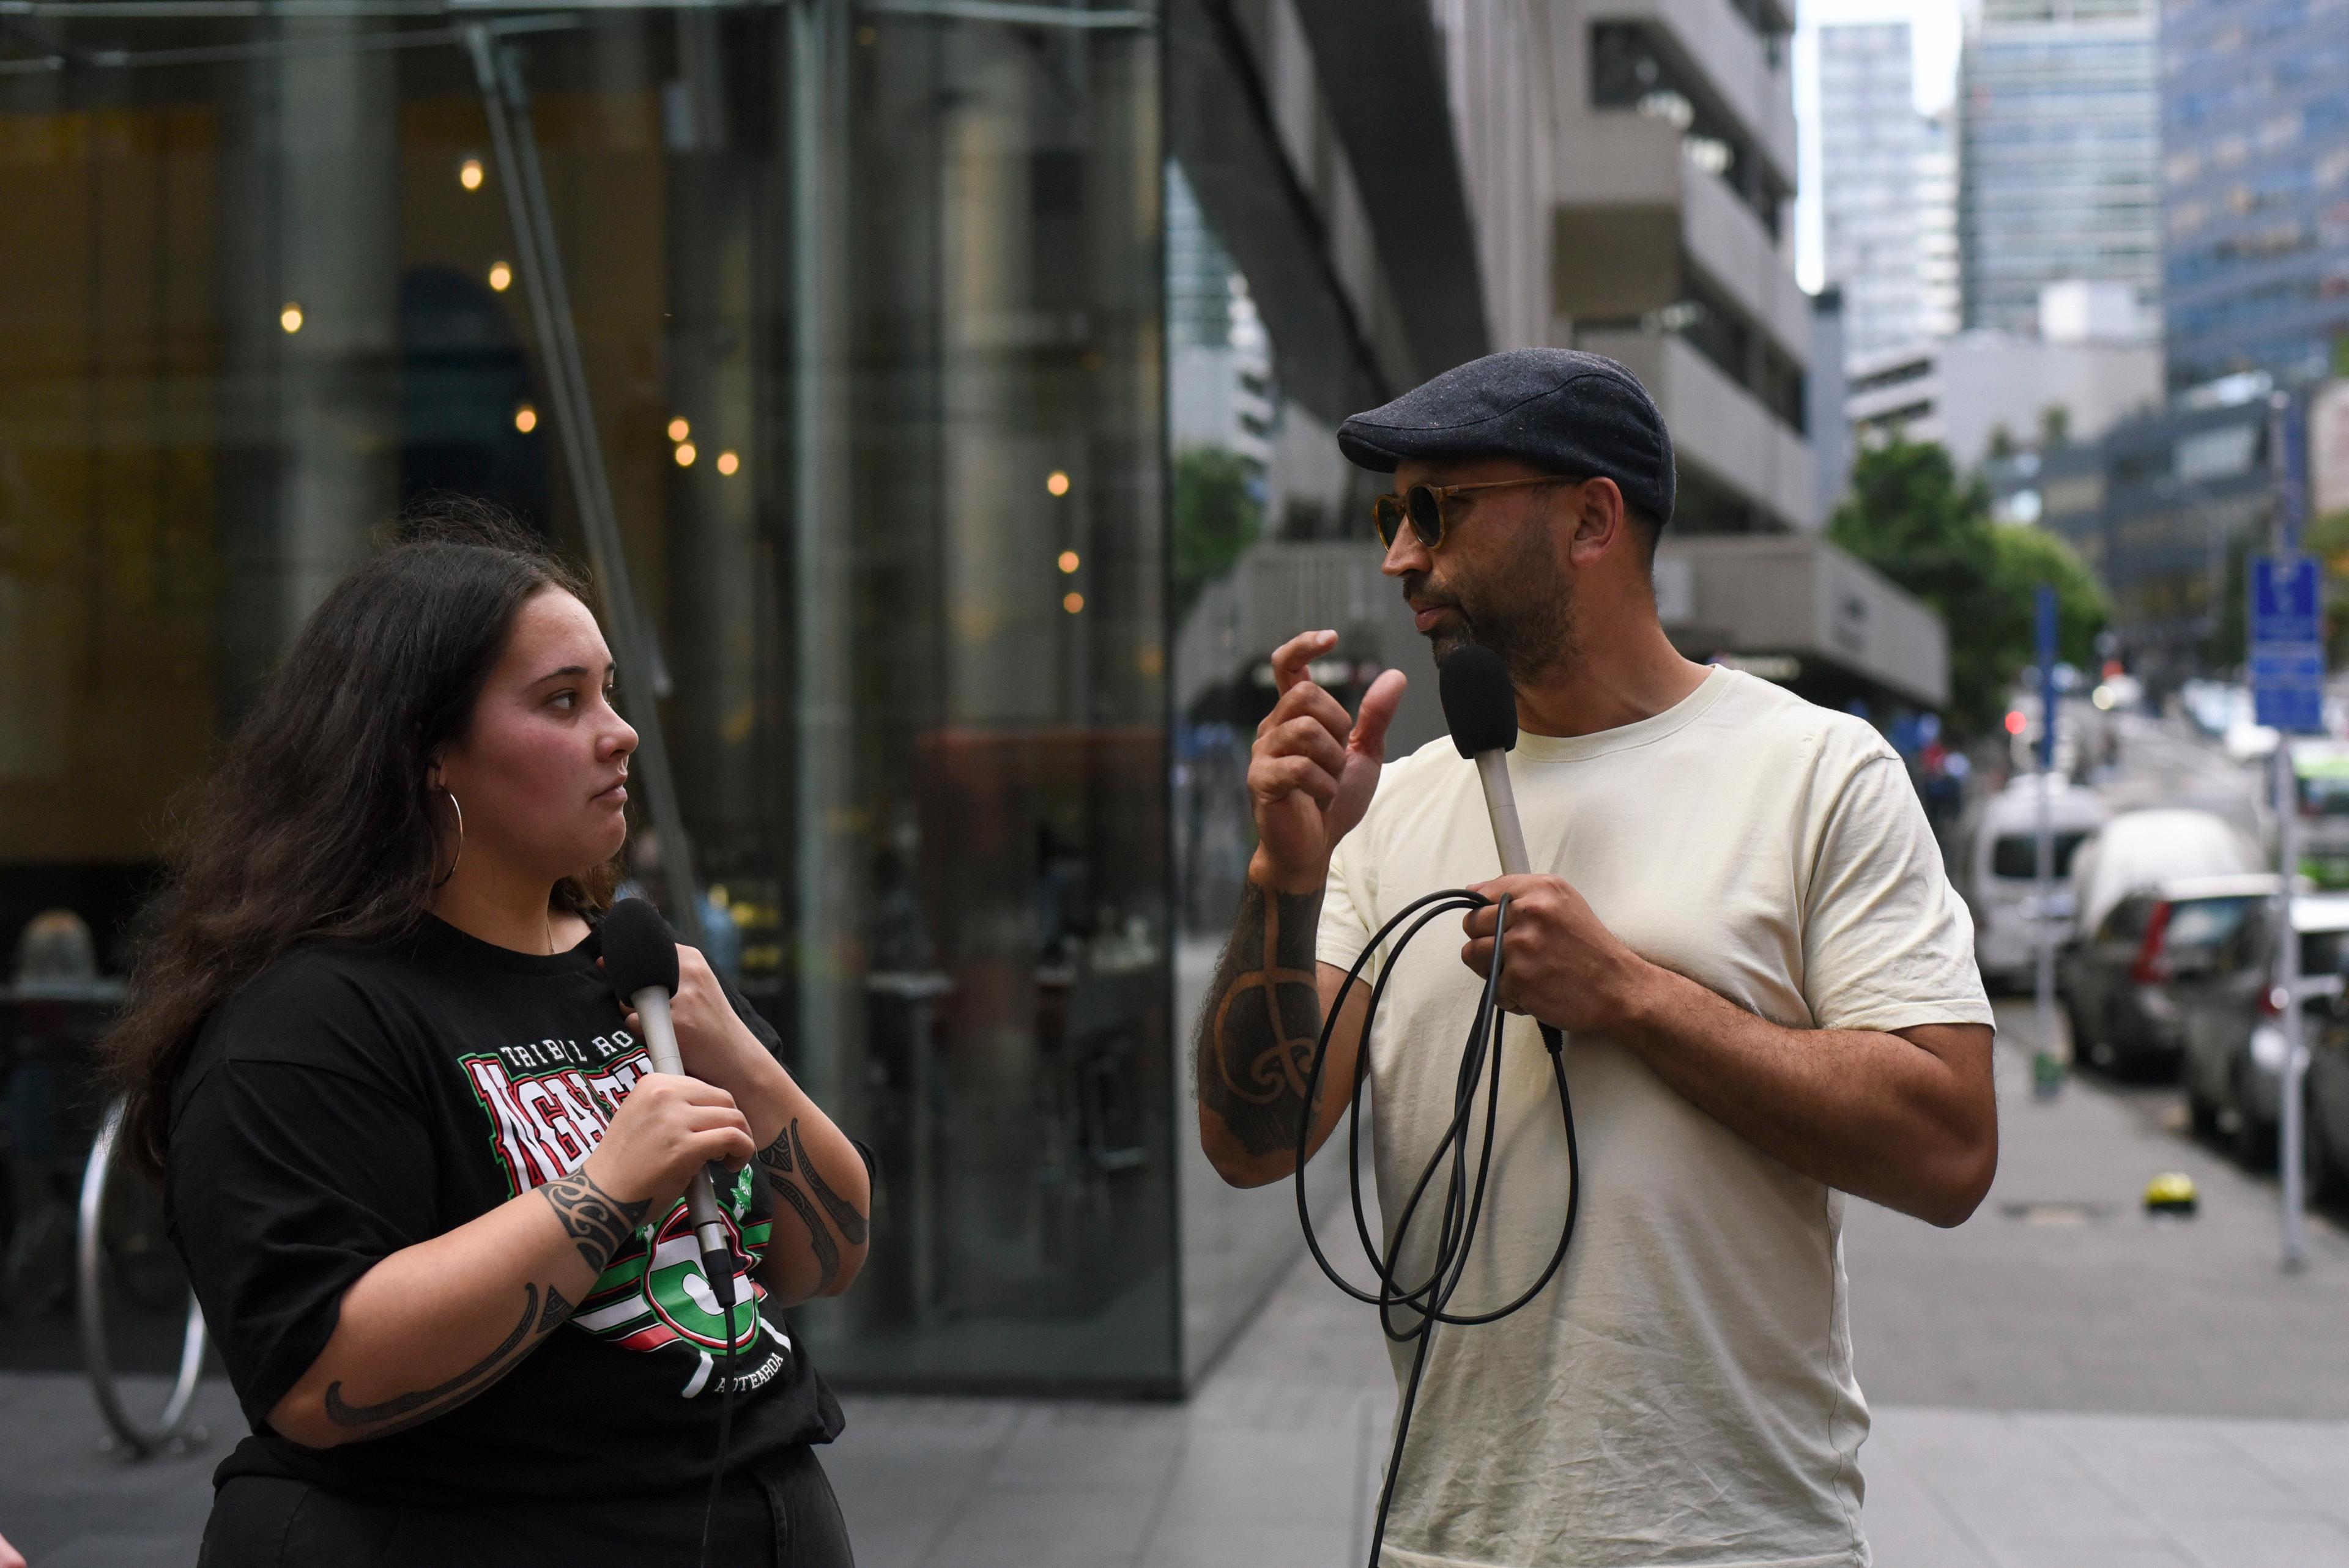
(1313, 769)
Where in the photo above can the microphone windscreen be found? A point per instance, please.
(639, 949)
(1480, 705)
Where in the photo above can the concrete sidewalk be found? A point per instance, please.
(1274, 1465)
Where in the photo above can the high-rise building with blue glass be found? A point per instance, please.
(2060, 132)
(2255, 187)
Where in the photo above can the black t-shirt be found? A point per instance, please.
(350, 1102)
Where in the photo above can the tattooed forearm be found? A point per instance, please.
(844, 1212)
(1262, 1018)
(777, 1156)
(409, 1410)
(557, 1309)
(595, 1220)
(820, 1242)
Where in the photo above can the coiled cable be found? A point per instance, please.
(1428, 1301)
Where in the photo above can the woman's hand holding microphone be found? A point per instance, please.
(667, 1128)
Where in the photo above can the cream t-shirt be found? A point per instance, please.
(1684, 1394)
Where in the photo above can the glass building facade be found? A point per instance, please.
(913, 374)
(2255, 189)
(2059, 136)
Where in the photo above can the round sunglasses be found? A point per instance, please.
(1424, 506)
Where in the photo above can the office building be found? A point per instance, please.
(2162, 509)
(2255, 189)
(1985, 392)
(2058, 133)
(1940, 293)
(1674, 133)
(1825, 392)
(1872, 146)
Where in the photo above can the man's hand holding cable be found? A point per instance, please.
(1904, 1117)
(1563, 967)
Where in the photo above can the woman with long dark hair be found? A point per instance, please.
(424, 1178)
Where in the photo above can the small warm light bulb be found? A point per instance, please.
(1068, 561)
(685, 454)
(500, 276)
(525, 419)
(470, 175)
(1073, 602)
(290, 318)
(1058, 483)
(679, 429)
(727, 462)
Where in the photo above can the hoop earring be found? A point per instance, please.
(459, 855)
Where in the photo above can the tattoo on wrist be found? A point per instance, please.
(1262, 1020)
(596, 1222)
(844, 1212)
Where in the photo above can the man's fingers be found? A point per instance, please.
(1271, 777)
(1306, 700)
(1289, 660)
(1378, 705)
(1307, 736)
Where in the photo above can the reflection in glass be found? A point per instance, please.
(868, 323)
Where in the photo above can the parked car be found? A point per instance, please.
(2326, 1095)
(2230, 1004)
(2137, 851)
(2124, 983)
(2002, 869)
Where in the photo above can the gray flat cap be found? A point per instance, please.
(1558, 408)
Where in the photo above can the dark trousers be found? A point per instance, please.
(780, 1513)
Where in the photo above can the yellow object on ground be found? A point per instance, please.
(2171, 1193)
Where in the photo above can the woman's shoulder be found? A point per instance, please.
(314, 1005)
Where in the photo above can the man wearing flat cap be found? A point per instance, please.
(1739, 918)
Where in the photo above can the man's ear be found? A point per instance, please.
(1599, 519)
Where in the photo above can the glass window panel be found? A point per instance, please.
(867, 322)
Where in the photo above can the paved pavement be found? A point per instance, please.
(2216, 1392)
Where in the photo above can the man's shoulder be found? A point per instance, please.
(1766, 716)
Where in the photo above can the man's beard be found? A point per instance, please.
(1524, 612)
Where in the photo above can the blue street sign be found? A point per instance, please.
(2284, 599)
(2287, 654)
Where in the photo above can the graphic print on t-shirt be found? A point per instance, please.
(549, 1103)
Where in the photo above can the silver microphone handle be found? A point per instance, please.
(660, 1041)
(1501, 805)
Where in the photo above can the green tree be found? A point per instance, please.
(2327, 539)
(1216, 517)
(1911, 516)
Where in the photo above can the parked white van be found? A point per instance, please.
(2002, 869)
(2143, 849)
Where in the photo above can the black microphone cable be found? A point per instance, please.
(1463, 1195)
(725, 1406)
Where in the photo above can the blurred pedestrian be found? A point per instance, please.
(1739, 918)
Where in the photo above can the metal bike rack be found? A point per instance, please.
(175, 1429)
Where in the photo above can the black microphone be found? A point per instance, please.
(1480, 705)
(640, 962)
